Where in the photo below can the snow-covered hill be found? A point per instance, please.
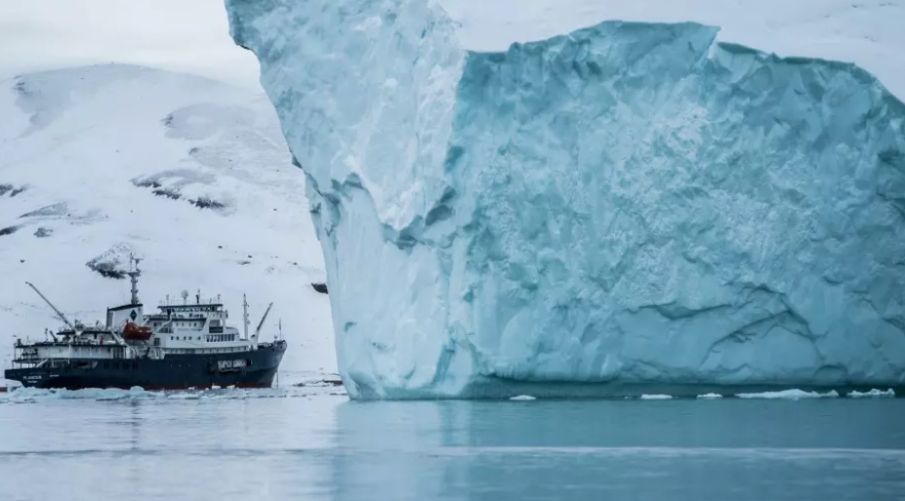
(190, 174)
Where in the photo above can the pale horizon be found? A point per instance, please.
(47, 34)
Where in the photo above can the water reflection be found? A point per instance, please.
(229, 445)
(642, 450)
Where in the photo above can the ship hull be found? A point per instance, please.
(251, 369)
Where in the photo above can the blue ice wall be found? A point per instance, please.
(621, 209)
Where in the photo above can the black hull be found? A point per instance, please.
(174, 372)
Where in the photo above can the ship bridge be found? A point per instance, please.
(182, 309)
(189, 312)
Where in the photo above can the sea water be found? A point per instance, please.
(313, 443)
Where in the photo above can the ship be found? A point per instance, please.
(180, 346)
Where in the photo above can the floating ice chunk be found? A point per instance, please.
(35, 395)
(184, 395)
(523, 398)
(656, 397)
(709, 396)
(875, 393)
(789, 394)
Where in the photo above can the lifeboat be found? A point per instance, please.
(134, 332)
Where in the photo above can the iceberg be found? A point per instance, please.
(628, 208)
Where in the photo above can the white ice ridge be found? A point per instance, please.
(627, 203)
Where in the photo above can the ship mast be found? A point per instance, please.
(133, 276)
(245, 315)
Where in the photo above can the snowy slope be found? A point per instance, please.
(82, 153)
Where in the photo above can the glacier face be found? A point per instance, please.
(633, 204)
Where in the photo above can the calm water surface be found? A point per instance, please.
(299, 444)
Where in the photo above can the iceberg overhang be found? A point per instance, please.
(627, 206)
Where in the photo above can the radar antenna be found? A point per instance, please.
(185, 296)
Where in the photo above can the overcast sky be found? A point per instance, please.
(193, 35)
(182, 35)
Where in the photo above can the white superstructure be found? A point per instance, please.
(129, 333)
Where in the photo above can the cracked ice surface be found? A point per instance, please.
(630, 203)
